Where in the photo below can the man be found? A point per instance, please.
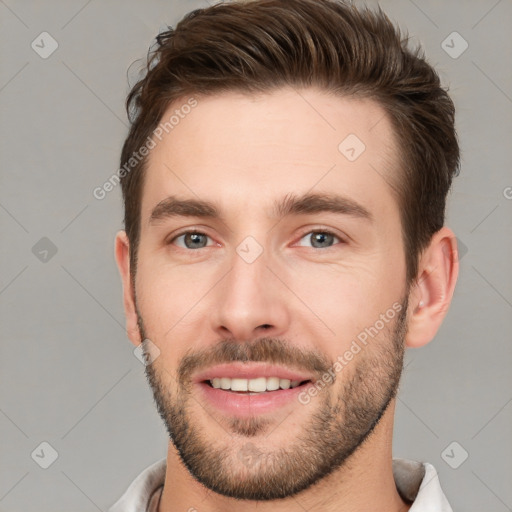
(284, 182)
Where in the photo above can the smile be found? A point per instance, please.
(257, 385)
(245, 402)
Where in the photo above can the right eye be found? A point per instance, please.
(191, 240)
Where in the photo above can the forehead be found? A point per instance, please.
(245, 151)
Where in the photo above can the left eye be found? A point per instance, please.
(320, 239)
(191, 240)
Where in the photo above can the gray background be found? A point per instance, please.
(67, 371)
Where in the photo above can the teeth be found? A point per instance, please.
(272, 383)
(258, 385)
(239, 384)
(284, 383)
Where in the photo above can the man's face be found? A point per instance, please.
(263, 295)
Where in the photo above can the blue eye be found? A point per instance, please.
(192, 240)
(320, 239)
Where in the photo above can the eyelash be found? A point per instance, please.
(188, 232)
(323, 231)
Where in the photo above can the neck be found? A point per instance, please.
(365, 482)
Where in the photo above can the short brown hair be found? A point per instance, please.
(262, 45)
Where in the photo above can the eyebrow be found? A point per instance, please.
(291, 204)
(318, 203)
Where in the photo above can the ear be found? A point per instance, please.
(432, 293)
(122, 255)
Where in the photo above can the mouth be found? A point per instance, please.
(251, 400)
(255, 386)
(252, 388)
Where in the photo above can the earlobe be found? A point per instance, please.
(122, 255)
(432, 293)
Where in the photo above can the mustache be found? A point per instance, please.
(266, 350)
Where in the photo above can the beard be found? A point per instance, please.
(339, 423)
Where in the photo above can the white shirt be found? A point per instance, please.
(415, 481)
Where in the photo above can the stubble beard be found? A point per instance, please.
(239, 465)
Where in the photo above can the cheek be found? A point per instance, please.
(168, 295)
(349, 297)
(164, 300)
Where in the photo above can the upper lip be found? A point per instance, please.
(250, 371)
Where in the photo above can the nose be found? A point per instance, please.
(250, 301)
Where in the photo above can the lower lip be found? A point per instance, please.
(246, 404)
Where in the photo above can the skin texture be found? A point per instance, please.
(299, 301)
